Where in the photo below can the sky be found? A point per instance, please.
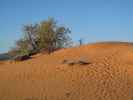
(90, 20)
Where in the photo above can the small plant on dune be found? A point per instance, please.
(80, 61)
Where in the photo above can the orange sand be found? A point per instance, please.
(44, 77)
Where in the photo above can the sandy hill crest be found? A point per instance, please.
(109, 76)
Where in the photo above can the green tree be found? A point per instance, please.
(27, 44)
(46, 36)
(30, 35)
(52, 36)
(22, 47)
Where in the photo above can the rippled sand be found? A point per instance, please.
(45, 77)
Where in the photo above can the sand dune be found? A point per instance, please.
(109, 76)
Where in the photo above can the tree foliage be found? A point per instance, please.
(51, 36)
(30, 33)
(46, 35)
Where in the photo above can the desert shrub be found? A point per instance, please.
(80, 61)
(51, 36)
(22, 47)
(46, 36)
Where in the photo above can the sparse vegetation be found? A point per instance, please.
(80, 61)
(45, 36)
(51, 36)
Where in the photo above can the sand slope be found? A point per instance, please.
(44, 77)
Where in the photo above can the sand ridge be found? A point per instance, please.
(45, 77)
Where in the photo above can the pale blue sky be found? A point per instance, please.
(92, 20)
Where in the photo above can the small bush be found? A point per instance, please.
(76, 62)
